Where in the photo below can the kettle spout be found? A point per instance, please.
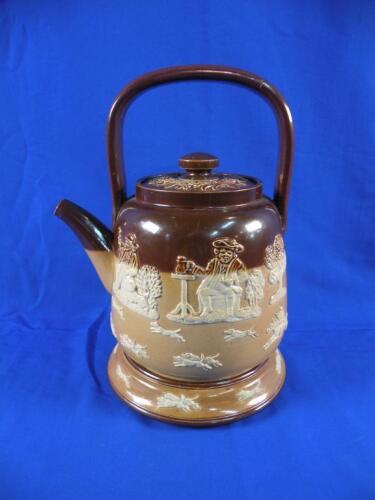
(95, 237)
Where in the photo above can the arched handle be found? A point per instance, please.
(221, 73)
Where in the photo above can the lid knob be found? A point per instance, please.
(198, 163)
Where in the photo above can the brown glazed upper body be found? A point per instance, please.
(165, 232)
(184, 213)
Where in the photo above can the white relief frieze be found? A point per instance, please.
(278, 363)
(112, 325)
(136, 287)
(138, 350)
(277, 327)
(116, 306)
(255, 290)
(275, 261)
(174, 334)
(213, 183)
(191, 360)
(123, 376)
(181, 402)
(226, 292)
(232, 334)
(252, 392)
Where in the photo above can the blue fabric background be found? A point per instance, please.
(63, 433)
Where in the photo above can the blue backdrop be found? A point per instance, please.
(63, 434)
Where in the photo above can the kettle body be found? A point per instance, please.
(196, 267)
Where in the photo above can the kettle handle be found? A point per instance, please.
(200, 72)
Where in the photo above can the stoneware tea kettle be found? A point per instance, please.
(195, 264)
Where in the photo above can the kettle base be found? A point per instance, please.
(195, 403)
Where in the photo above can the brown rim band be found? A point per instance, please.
(198, 200)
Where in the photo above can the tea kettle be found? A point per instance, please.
(195, 264)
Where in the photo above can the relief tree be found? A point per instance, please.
(255, 290)
(149, 286)
(275, 261)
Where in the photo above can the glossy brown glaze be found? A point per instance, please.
(198, 187)
(198, 162)
(206, 72)
(91, 232)
(189, 231)
(192, 200)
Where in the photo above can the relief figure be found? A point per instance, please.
(221, 294)
(136, 287)
(275, 261)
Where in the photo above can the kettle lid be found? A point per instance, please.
(198, 186)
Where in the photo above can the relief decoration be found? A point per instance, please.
(184, 403)
(203, 184)
(227, 291)
(275, 261)
(277, 327)
(123, 376)
(174, 334)
(138, 288)
(232, 334)
(138, 350)
(245, 394)
(197, 361)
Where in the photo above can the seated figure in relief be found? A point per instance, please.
(222, 279)
(221, 285)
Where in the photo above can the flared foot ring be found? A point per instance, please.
(196, 404)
